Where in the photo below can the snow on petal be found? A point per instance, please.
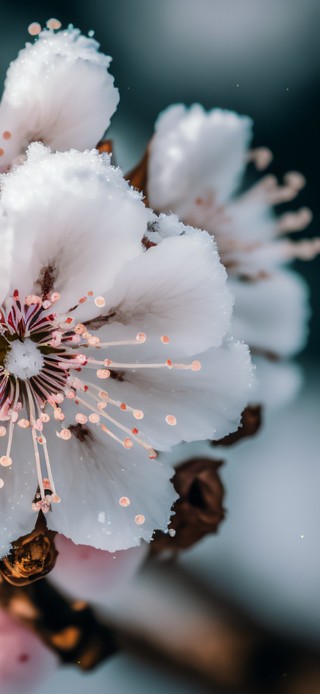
(6, 241)
(178, 289)
(72, 212)
(58, 91)
(194, 152)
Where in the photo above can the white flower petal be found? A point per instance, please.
(193, 153)
(92, 477)
(178, 289)
(277, 383)
(6, 241)
(58, 91)
(206, 404)
(20, 485)
(74, 212)
(271, 314)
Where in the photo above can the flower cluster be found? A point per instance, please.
(112, 349)
(195, 167)
(126, 303)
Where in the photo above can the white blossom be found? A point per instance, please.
(195, 165)
(58, 91)
(109, 352)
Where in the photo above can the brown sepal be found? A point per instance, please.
(106, 146)
(69, 628)
(251, 420)
(32, 556)
(147, 243)
(138, 177)
(199, 509)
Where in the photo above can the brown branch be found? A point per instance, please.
(70, 629)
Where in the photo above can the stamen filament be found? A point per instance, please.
(123, 428)
(35, 443)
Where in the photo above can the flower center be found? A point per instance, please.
(23, 359)
(47, 358)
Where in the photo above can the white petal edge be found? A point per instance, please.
(92, 478)
(272, 314)
(177, 289)
(194, 152)
(20, 484)
(58, 91)
(75, 212)
(206, 404)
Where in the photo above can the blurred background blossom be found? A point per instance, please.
(260, 59)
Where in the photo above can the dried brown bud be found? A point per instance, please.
(138, 177)
(105, 146)
(251, 419)
(199, 509)
(32, 556)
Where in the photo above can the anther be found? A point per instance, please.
(32, 299)
(139, 519)
(124, 501)
(64, 434)
(53, 24)
(79, 329)
(34, 29)
(81, 359)
(55, 499)
(23, 423)
(100, 301)
(171, 420)
(138, 414)
(5, 460)
(81, 418)
(94, 418)
(103, 373)
(93, 340)
(58, 414)
(128, 443)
